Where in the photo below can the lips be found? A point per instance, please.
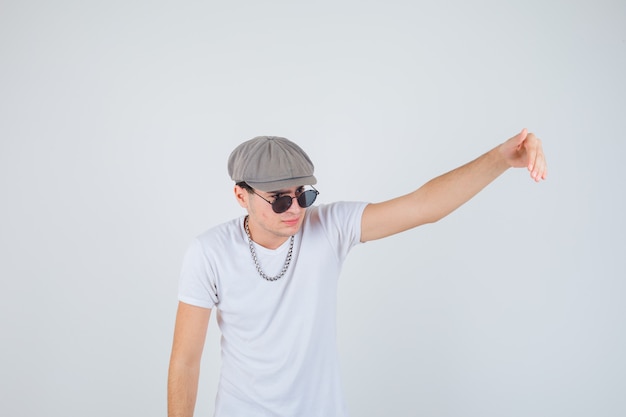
(291, 223)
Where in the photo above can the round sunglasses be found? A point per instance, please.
(281, 204)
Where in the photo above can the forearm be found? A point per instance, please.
(182, 389)
(184, 372)
(434, 200)
(444, 194)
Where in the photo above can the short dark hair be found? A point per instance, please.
(245, 186)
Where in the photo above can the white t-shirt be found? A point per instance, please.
(279, 347)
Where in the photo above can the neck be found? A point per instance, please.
(267, 240)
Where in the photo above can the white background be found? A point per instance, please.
(116, 121)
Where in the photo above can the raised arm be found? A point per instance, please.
(184, 371)
(444, 194)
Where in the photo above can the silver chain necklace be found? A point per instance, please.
(256, 260)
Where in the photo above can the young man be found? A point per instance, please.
(271, 276)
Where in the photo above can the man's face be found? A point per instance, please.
(268, 228)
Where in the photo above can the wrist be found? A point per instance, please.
(499, 159)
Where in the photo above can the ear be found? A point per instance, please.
(242, 196)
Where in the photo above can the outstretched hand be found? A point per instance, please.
(525, 150)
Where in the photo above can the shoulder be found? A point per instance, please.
(223, 230)
(221, 236)
(337, 210)
(342, 215)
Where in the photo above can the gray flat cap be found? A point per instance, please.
(271, 163)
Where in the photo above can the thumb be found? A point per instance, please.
(520, 137)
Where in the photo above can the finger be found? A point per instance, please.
(537, 171)
(534, 172)
(520, 138)
(532, 147)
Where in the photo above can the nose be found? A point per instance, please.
(295, 206)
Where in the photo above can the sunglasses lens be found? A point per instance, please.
(281, 204)
(307, 198)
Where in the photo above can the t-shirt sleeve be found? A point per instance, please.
(342, 224)
(197, 284)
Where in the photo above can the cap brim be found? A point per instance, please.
(282, 184)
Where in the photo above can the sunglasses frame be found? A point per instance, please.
(290, 198)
